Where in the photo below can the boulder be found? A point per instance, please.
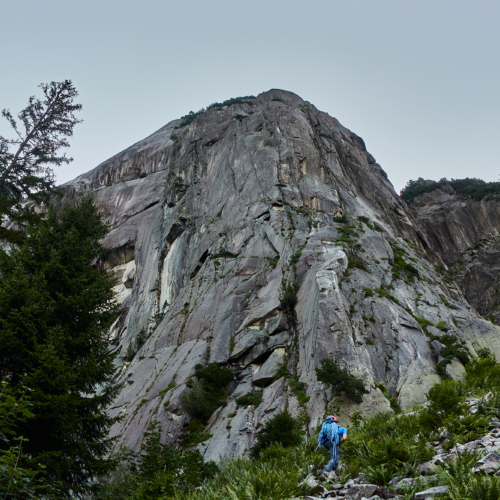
(358, 491)
(431, 492)
(489, 463)
(265, 374)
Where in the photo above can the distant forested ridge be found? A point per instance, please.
(475, 188)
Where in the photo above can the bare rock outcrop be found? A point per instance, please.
(213, 223)
(465, 233)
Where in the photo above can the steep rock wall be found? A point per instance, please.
(235, 207)
(465, 233)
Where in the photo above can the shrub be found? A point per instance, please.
(483, 374)
(475, 188)
(289, 297)
(342, 219)
(424, 323)
(239, 117)
(282, 371)
(189, 118)
(296, 256)
(442, 326)
(444, 300)
(196, 433)
(207, 392)
(368, 292)
(354, 261)
(392, 400)
(252, 398)
(299, 389)
(235, 100)
(463, 483)
(157, 471)
(275, 475)
(384, 293)
(282, 429)
(400, 265)
(279, 99)
(224, 254)
(340, 380)
(445, 399)
(143, 174)
(386, 446)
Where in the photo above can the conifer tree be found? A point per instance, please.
(56, 308)
(40, 131)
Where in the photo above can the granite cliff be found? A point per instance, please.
(463, 230)
(216, 219)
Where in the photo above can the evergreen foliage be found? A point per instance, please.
(282, 429)
(289, 297)
(157, 471)
(252, 398)
(41, 130)
(207, 392)
(474, 188)
(56, 309)
(340, 380)
(234, 100)
(17, 481)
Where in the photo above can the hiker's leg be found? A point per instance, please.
(337, 458)
(331, 464)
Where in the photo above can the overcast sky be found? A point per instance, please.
(419, 81)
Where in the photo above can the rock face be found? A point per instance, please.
(465, 233)
(215, 223)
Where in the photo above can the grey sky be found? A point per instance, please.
(419, 81)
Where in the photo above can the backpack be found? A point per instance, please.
(329, 433)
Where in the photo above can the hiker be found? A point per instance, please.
(331, 436)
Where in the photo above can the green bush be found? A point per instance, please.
(196, 433)
(392, 400)
(475, 188)
(424, 323)
(483, 374)
(299, 389)
(282, 429)
(387, 445)
(296, 256)
(205, 394)
(189, 118)
(384, 293)
(342, 219)
(224, 254)
(445, 399)
(340, 380)
(252, 398)
(442, 325)
(400, 265)
(157, 471)
(235, 100)
(463, 484)
(289, 297)
(275, 475)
